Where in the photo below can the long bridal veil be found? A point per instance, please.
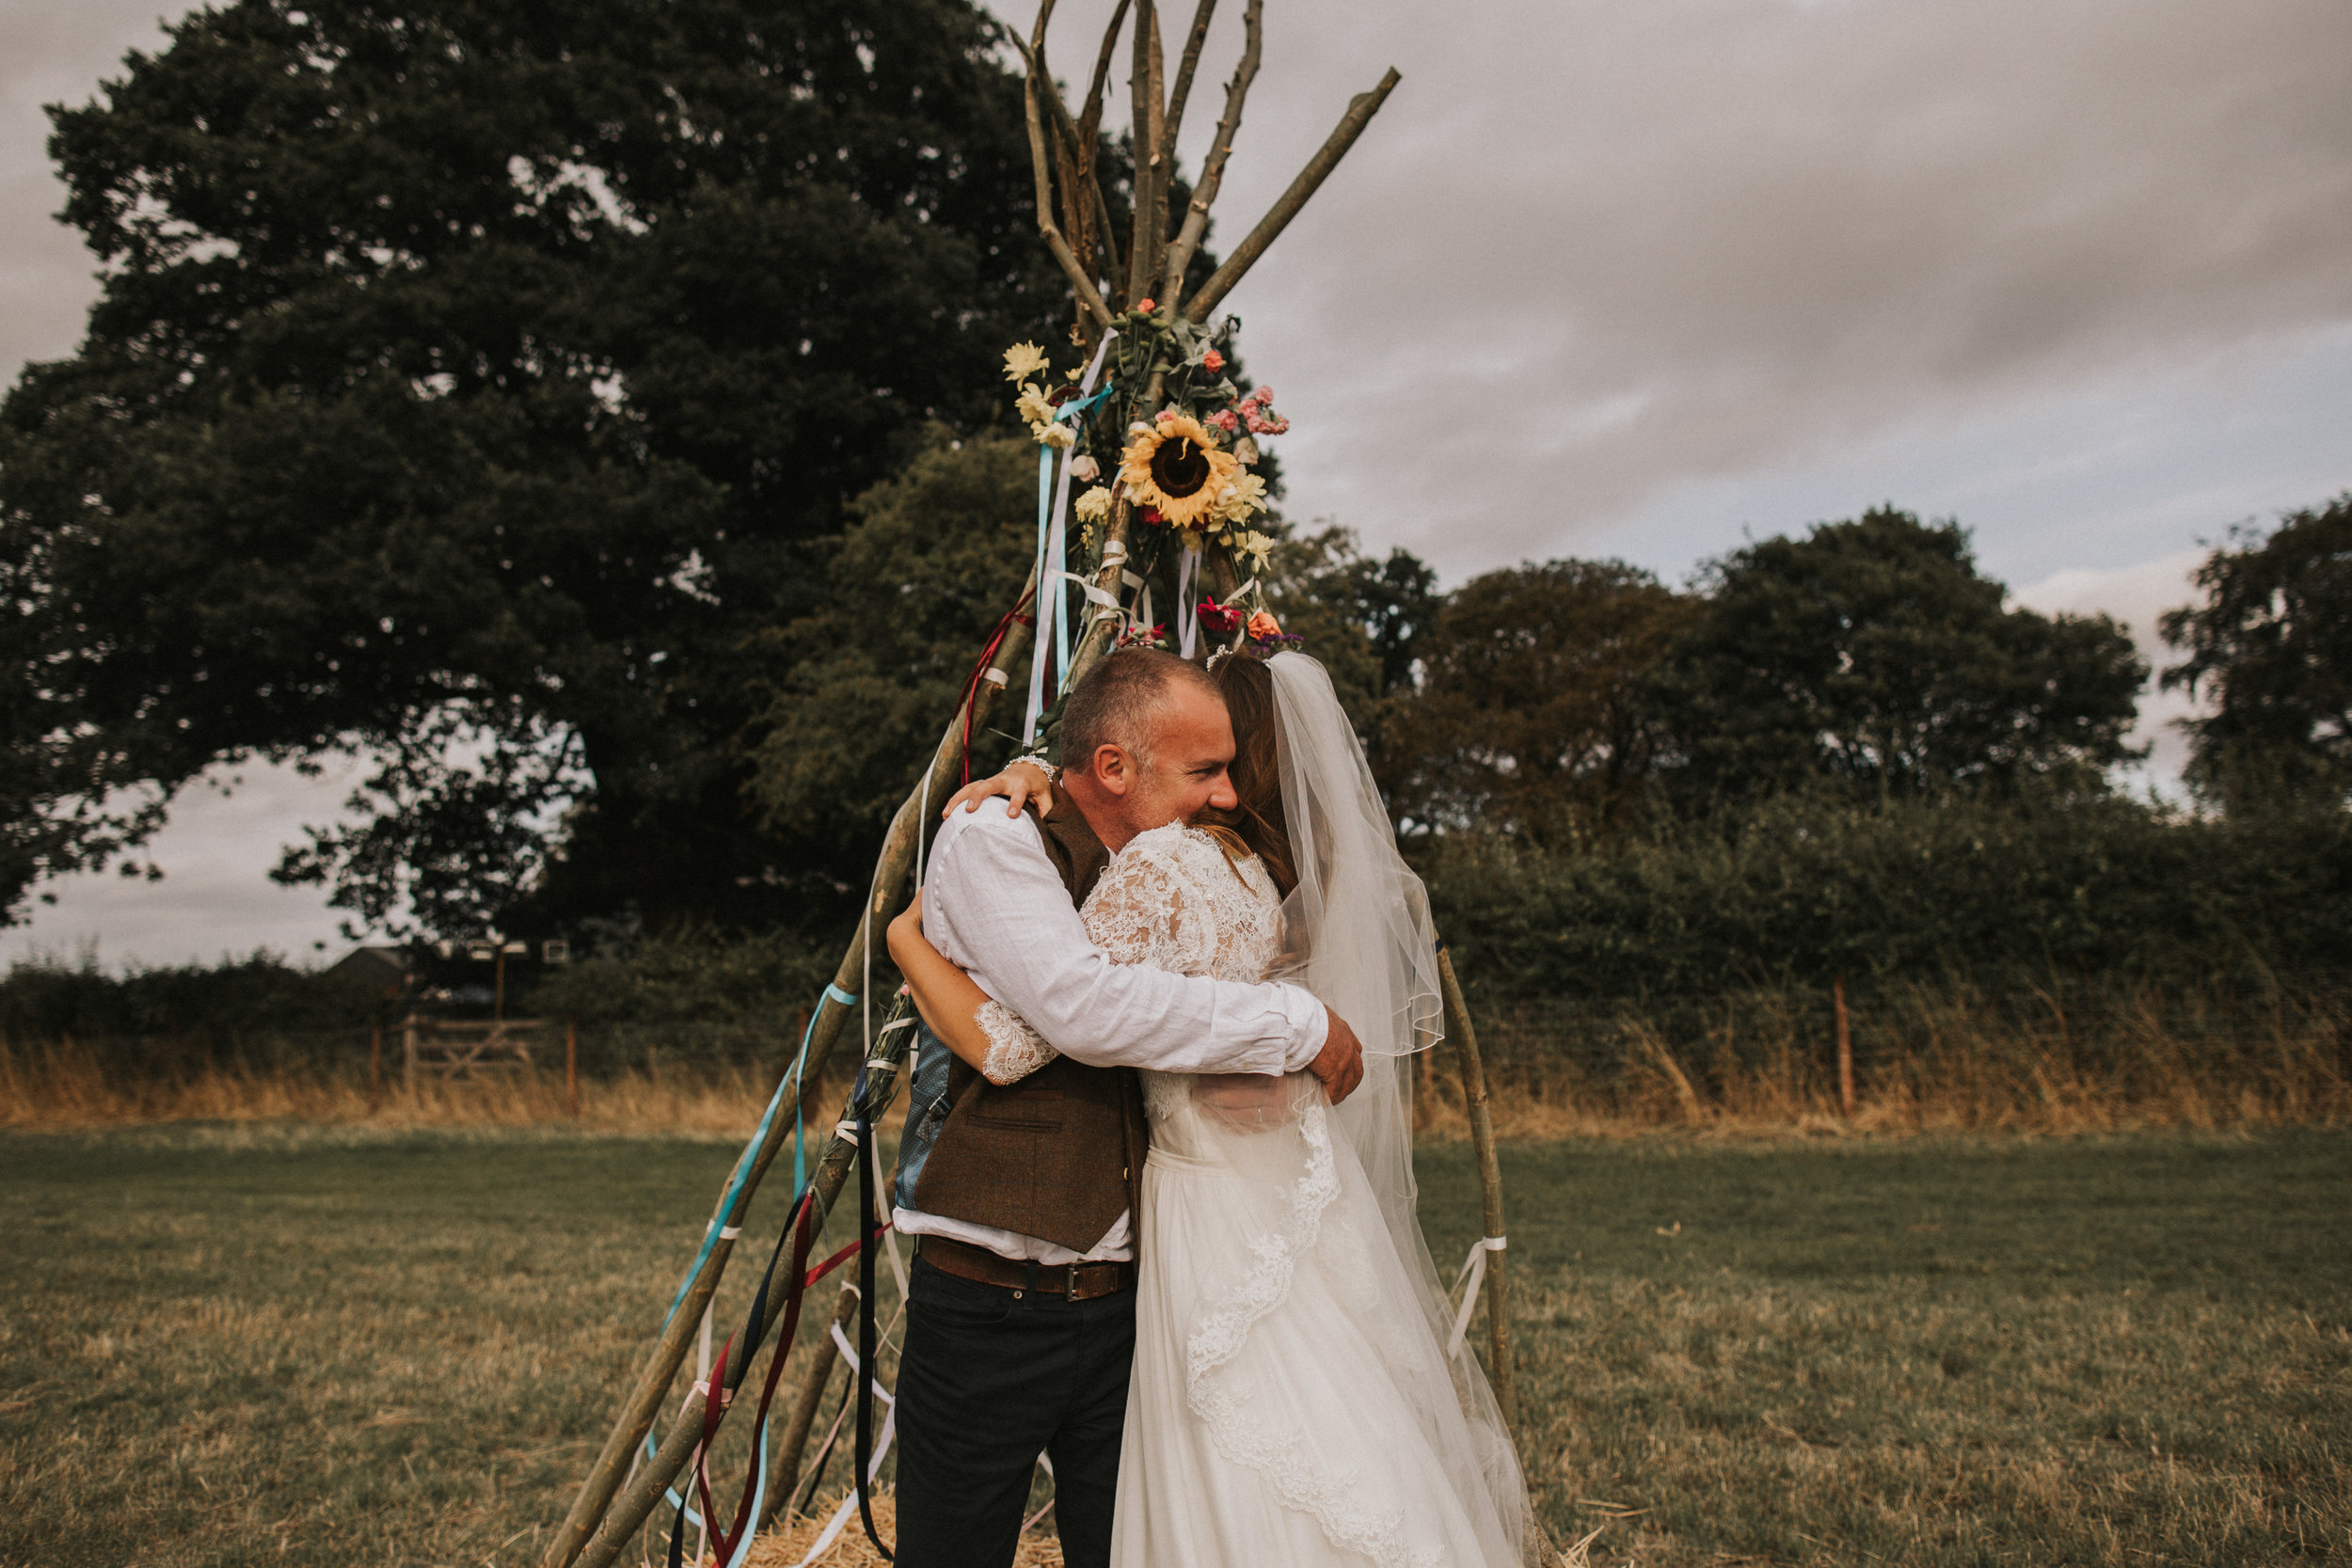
(1356, 933)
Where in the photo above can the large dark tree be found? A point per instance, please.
(2270, 650)
(1873, 652)
(474, 379)
(1529, 717)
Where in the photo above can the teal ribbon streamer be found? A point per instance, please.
(750, 1151)
(727, 1206)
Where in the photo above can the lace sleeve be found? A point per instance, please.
(1014, 1049)
(1135, 912)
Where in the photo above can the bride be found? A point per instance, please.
(1292, 1401)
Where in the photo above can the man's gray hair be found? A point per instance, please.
(1119, 702)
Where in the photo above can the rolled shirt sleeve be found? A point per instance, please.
(994, 904)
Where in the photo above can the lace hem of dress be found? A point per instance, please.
(1014, 1049)
(1282, 1458)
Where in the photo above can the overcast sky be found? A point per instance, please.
(1642, 278)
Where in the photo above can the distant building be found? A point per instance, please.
(382, 970)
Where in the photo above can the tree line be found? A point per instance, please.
(589, 416)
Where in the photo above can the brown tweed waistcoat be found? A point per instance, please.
(1059, 1154)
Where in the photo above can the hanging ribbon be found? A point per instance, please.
(869, 1222)
(1053, 513)
(713, 1234)
(1473, 1271)
(1188, 619)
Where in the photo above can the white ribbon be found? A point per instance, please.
(1474, 1271)
(1187, 622)
(849, 1502)
(1048, 567)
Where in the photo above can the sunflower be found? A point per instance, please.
(1175, 466)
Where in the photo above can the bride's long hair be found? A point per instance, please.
(1255, 825)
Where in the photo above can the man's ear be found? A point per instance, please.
(1113, 769)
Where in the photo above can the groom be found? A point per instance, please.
(1020, 1318)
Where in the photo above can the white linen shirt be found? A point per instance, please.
(994, 904)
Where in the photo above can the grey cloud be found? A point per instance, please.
(1592, 251)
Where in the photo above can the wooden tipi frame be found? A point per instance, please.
(1109, 283)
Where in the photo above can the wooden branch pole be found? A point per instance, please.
(1845, 1048)
(1359, 112)
(1144, 244)
(1186, 66)
(635, 1504)
(1188, 238)
(1081, 284)
(784, 1478)
(1077, 149)
(890, 874)
(1489, 1189)
(571, 1067)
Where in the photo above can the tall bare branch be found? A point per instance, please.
(1089, 136)
(1212, 167)
(1359, 112)
(1091, 119)
(1143, 247)
(1079, 147)
(1163, 165)
(1037, 86)
(1184, 68)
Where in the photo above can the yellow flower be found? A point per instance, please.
(1021, 361)
(1033, 407)
(1254, 545)
(1057, 435)
(1175, 467)
(1094, 505)
(1244, 496)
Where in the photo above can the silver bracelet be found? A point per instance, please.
(1037, 760)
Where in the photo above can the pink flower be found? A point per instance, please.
(1147, 305)
(1260, 425)
(1212, 361)
(1264, 395)
(1226, 420)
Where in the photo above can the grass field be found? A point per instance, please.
(352, 1346)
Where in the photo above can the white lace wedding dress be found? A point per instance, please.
(1291, 1404)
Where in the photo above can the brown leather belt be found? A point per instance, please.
(1078, 1281)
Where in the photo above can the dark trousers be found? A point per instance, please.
(988, 1381)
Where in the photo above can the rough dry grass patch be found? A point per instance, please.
(222, 1346)
(2114, 1351)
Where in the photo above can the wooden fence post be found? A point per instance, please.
(1845, 1048)
(571, 1067)
(408, 1055)
(1489, 1189)
(375, 1064)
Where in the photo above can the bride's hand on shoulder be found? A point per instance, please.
(1019, 783)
